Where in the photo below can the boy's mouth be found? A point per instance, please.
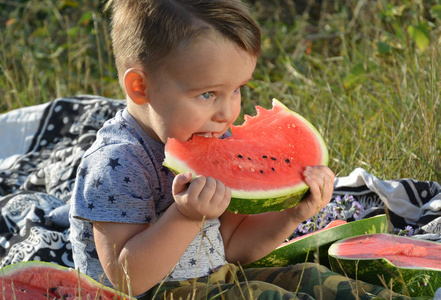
(206, 134)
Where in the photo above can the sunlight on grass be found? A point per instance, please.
(365, 74)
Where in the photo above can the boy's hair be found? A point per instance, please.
(145, 32)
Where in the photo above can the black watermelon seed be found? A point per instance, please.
(273, 158)
(261, 171)
(52, 289)
(265, 156)
(249, 158)
(287, 161)
(273, 169)
(240, 156)
(21, 290)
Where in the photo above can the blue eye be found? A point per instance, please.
(206, 95)
(238, 89)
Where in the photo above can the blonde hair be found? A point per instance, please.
(145, 32)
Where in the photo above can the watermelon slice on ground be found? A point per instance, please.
(313, 247)
(262, 162)
(42, 280)
(413, 266)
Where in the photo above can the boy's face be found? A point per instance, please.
(197, 91)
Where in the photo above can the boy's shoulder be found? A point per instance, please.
(122, 136)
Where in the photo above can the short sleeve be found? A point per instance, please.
(115, 184)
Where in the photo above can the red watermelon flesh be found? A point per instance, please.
(400, 251)
(407, 265)
(264, 158)
(41, 280)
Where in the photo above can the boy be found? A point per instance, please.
(135, 224)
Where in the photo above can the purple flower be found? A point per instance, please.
(409, 230)
(356, 209)
(349, 198)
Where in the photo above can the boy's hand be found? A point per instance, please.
(205, 196)
(320, 180)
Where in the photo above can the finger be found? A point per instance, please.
(196, 187)
(320, 174)
(220, 199)
(219, 193)
(180, 182)
(227, 198)
(209, 190)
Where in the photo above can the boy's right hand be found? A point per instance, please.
(204, 196)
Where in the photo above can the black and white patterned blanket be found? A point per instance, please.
(41, 147)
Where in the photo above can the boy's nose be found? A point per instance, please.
(225, 111)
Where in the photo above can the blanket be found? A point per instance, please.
(41, 148)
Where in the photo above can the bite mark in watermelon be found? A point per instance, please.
(43, 280)
(413, 265)
(262, 162)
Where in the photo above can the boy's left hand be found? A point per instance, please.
(320, 180)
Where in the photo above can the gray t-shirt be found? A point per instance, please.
(121, 179)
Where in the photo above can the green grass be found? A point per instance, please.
(366, 73)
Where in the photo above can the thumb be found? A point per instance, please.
(180, 182)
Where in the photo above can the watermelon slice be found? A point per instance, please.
(314, 246)
(43, 280)
(262, 162)
(413, 266)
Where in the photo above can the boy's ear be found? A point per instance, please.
(135, 83)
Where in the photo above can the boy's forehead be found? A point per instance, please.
(209, 63)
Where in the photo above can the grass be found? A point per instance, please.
(366, 74)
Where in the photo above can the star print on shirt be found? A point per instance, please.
(91, 206)
(113, 163)
(192, 262)
(124, 214)
(97, 182)
(83, 172)
(111, 199)
(106, 140)
(127, 179)
(165, 170)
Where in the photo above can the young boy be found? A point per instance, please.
(134, 224)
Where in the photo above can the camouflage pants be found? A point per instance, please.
(301, 281)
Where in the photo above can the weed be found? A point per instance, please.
(365, 74)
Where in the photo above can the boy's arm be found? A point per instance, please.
(250, 237)
(147, 252)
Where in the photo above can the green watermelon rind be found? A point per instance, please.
(370, 270)
(315, 246)
(259, 201)
(9, 271)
